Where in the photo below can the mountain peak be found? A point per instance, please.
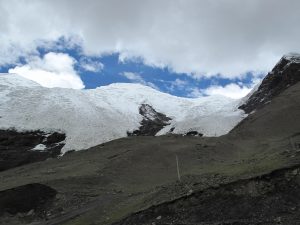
(285, 74)
(292, 57)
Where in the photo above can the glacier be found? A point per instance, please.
(93, 116)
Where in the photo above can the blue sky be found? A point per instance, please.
(105, 69)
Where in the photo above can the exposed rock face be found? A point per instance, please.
(152, 122)
(22, 199)
(271, 199)
(285, 74)
(19, 148)
(194, 133)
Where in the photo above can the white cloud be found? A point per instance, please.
(133, 76)
(91, 65)
(200, 37)
(195, 92)
(53, 70)
(179, 84)
(136, 78)
(232, 90)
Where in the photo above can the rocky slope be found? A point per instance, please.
(285, 74)
(269, 199)
(19, 148)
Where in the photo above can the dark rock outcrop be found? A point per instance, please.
(194, 133)
(285, 74)
(152, 122)
(16, 148)
(25, 198)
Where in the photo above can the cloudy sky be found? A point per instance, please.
(187, 48)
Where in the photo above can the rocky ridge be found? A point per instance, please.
(285, 74)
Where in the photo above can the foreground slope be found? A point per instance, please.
(91, 117)
(109, 183)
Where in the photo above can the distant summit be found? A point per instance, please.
(285, 74)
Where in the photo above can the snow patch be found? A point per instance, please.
(39, 147)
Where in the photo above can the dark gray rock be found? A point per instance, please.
(152, 122)
(26, 198)
(16, 147)
(285, 74)
(194, 133)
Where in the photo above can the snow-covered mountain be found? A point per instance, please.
(92, 117)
